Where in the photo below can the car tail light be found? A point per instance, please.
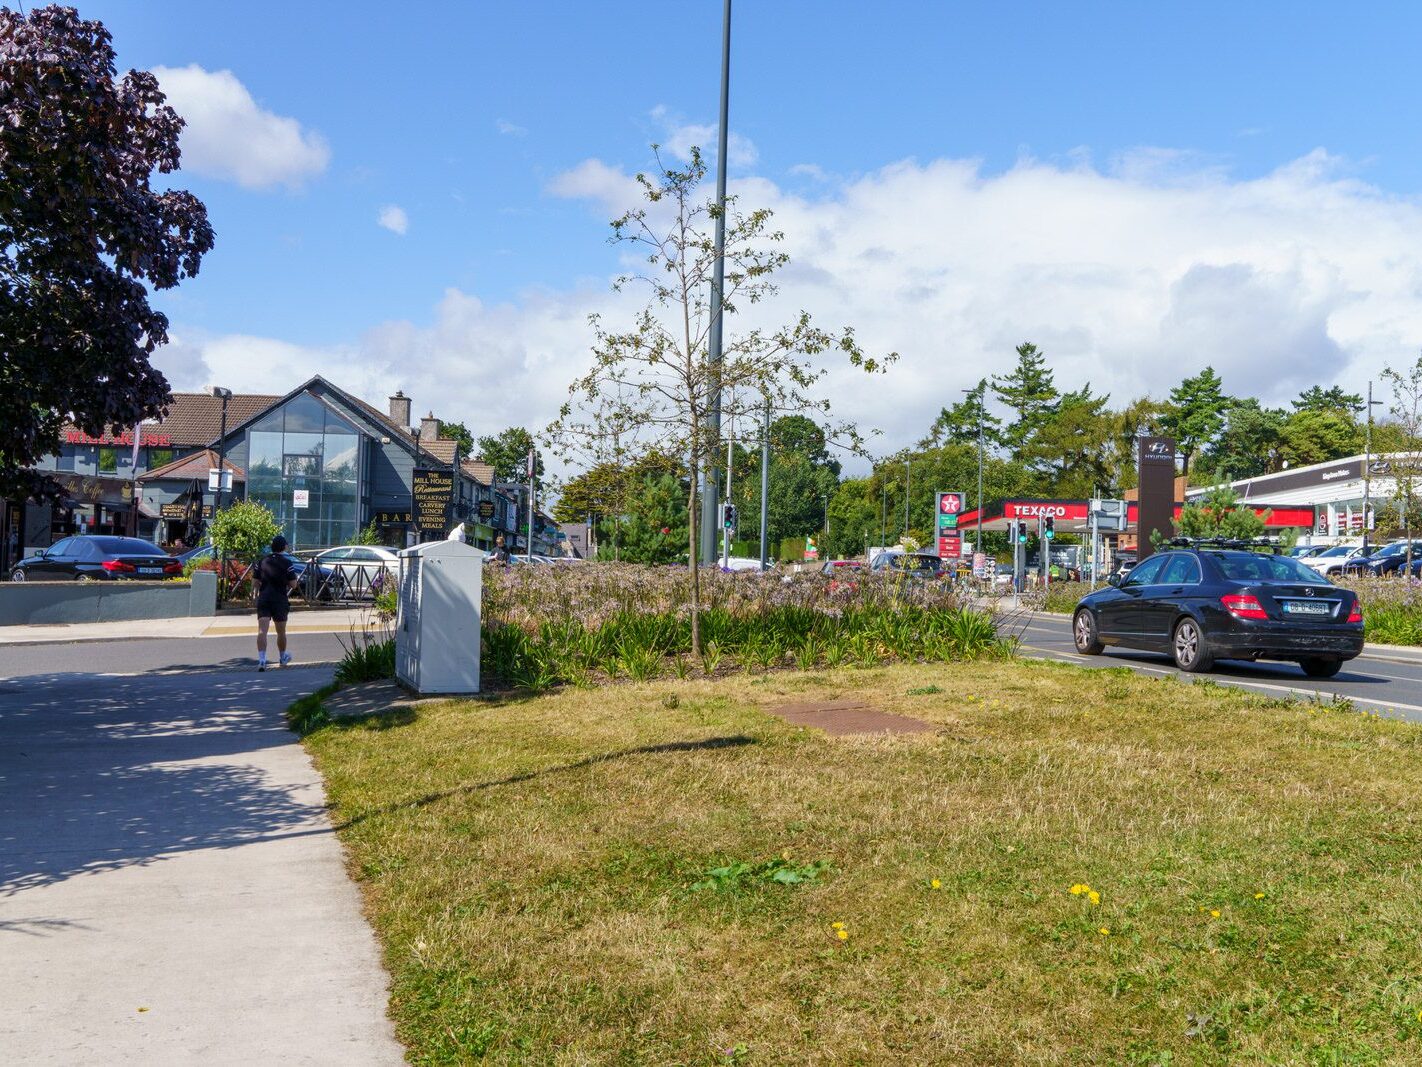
(173, 567)
(1355, 613)
(1244, 606)
(118, 566)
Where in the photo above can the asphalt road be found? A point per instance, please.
(162, 654)
(1380, 681)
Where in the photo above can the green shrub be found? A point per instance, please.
(367, 660)
(243, 530)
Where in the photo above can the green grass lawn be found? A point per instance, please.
(529, 865)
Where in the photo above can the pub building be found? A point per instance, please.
(324, 462)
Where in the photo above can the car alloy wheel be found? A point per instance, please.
(1084, 632)
(17, 575)
(1189, 646)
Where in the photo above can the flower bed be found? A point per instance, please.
(545, 626)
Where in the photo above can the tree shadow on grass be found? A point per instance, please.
(102, 773)
(709, 744)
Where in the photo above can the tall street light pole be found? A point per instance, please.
(1368, 464)
(224, 395)
(710, 506)
(978, 525)
(765, 488)
(907, 471)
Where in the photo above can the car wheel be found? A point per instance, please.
(1083, 629)
(1188, 646)
(1321, 668)
(17, 575)
(84, 579)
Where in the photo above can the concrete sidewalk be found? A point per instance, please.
(171, 891)
(315, 621)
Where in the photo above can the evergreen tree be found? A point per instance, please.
(1029, 392)
(1317, 398)
(1197, 414)
(1249, 444)
(959, 424)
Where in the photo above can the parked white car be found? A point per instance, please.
(360, 570)
(1330, 562)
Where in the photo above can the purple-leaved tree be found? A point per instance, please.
(82, 234)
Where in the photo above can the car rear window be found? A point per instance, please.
(1256, 567)
(915, 563)
(126, 546)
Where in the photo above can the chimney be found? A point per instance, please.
(429, 428)
(400, 410)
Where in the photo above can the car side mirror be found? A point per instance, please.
(1113, 579)
(42, 553)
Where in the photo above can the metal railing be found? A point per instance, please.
(335, 584)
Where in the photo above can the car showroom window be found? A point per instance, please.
(1145, 573)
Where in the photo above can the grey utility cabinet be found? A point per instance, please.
(438, 627)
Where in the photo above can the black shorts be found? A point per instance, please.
(272, 608)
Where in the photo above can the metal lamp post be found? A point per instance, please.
(224, 395)
(1368, 464)
(710, 510)
(978, 524)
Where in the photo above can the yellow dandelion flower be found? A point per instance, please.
(843, 935)
(1079, 889)
(836, 926)
(1419, 1016)
(1258, 896)
(1214, 913)
(1105, 931)
(935, 884)
(1094, 897)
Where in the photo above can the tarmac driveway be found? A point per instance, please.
(170, 888)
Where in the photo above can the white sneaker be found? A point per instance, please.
(286, 659)
(261, 665)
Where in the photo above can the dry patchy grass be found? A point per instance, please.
(528, 865)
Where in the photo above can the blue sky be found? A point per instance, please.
(465, 115)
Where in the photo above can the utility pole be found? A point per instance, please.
(765, 489)
(710, 506)
(884, 516)
(730, 444)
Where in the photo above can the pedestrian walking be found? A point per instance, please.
(275, 578)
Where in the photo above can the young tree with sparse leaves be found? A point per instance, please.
(1406, 465)
(653, 383)
(83, 234)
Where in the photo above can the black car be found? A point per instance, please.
(1201, 604)
(89, 558)
(1389, 559)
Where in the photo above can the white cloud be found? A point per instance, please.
(680, 137)
(228, 135)
(509, 129)
(393, 218)
(1129, 278)
(592, 179)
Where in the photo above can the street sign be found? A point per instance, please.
(812, 550)
(301, 498)
(212, 479)
(1110, 515)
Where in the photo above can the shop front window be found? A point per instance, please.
(108, 459)
(303, 464)
(159, 457)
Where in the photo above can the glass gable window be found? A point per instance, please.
(304, 451)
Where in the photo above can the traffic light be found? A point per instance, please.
(1049, 527)
(728, 516)
(1021, 529)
